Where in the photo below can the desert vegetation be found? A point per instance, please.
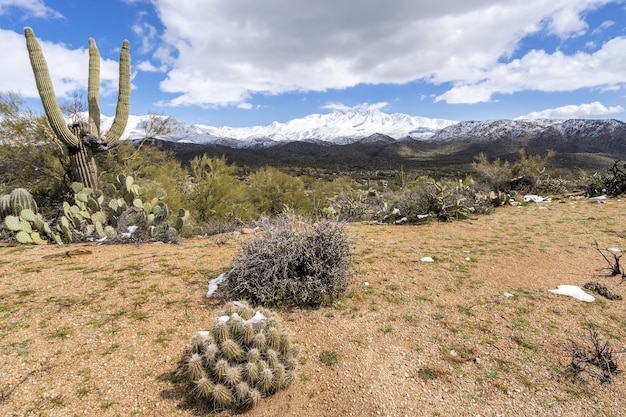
(385, 286)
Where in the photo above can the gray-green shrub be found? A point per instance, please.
(292, 262)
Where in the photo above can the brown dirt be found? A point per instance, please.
(100, 333)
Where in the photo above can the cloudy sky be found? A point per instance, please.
(252, 62)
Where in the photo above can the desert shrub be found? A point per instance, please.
(292, 262)
(246, 355)
(27, 141)
(521, 175)
(443, 200)
(595, 358)
(554, 185)
(352, 205)
(215, 191)
(271, 192)
(614, 180)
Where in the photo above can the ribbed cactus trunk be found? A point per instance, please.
(82, 139)
(83, 166)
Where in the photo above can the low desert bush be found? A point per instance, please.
(614, 180)
(292, 262)
(521, 175)
(443, 200)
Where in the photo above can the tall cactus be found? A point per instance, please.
(82, 139)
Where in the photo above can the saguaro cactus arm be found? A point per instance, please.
(123, 99)
(93, 88)
(46, 91)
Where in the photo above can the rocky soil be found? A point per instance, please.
(98, 330)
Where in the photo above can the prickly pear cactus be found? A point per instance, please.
(121, 211)
(245, 356)
(29, 227)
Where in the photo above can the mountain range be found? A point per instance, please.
(346, 127)
(351, 141)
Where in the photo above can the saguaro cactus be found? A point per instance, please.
(82, 139)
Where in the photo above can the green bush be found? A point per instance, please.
(442, 200)
(271, 192)
(245, 356)
(216, 193)
(292, 262)
(521, 176)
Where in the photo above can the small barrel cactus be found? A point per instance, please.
(246, 355)
(18, 200)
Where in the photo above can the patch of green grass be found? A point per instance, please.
(106, 404)
(329, 357)
(111, 348)
(357, 340)
(164, 336)
(25, 293)
(387, 328)
(524, 343)
(466, 309)
(519, 324)
(60, 333)
(139, 315)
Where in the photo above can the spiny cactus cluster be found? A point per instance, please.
(120, 206)
(13, 203)
(245, 356)
(18, 211)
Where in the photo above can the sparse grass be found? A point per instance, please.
(329, 357)
(427, 373)
(387, 328)
(61, 333)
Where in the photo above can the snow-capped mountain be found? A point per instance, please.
(337, 127)
(570, 129)
(374, 126)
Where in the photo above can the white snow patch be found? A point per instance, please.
(528, 198)
(258, 316)
(203, 333)
(427, 259)
(573, 291)
(213, 284)
(223, 319)
(131, 230)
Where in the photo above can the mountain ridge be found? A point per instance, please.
(345, 127)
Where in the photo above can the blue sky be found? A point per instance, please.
(249, 62)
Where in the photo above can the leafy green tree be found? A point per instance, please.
(31, 157)
(272, 192)
(216, 192)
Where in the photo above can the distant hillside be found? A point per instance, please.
(580, 143)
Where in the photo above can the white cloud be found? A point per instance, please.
(32, 8)
(538, 70)
(147, 66)
(359, 107)
(574, 111)
(220, 53)
(69, 69)
(148, 35)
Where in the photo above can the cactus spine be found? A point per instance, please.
(82, 139)
(226, 366)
